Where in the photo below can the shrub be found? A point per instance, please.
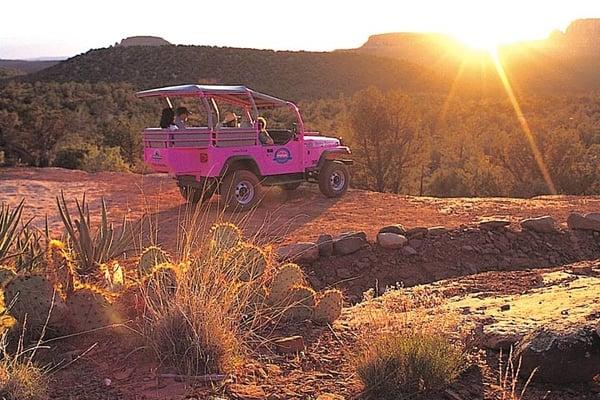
(399, 366)
(22, 380)
(70, 158)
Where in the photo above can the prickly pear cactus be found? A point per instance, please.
(150, 258)
(288, 276)
(224, 236)
(89, 308)
(32, 298)
(160, 285)
(60, 268)
(299, 304)
(249, 261)
(328, 307)
(6, 274)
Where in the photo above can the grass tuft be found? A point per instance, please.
(402, 366)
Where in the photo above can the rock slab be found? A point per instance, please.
(545, 224)
(347, 245)
(588, 222)
(389, 240)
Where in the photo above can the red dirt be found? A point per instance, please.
(283, 216)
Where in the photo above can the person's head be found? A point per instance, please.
(230, 120)
(262, 123)
(182, 113)
(167, 117)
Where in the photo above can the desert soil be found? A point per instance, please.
(112, 369)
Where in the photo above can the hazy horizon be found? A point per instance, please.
(313, 26)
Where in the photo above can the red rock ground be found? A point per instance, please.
(326, 366)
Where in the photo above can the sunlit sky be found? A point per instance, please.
(45, 28)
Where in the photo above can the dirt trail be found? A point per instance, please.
(283, 217)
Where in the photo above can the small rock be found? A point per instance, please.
(347, 245)
(577, 221)
(494, 224)
(545, 224)
(330, 396)
(397, 229)
(247, 392)
(417, 232)
(505, 307)
(409, 251)
(566, 356)
(436, 230)
(468, 248)
(389, 240)
(582, 270)
(325, 245)
(306, 252)
(291, 344)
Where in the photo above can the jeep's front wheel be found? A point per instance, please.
(334, 179)
(240, 190)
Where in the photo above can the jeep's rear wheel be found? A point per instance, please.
(195, 195)
(334, 179)
(241, 190)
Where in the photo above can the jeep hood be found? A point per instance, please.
(321, 141)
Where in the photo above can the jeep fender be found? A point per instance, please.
(339, 153)
(240, 162)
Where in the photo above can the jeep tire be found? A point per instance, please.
(334, 179)
(240, 190)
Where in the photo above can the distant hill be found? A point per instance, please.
(143, 41)
(22, 67)
(289, 74)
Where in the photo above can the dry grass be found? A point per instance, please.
(398, 366)
(508, 378)
(22, 380)
(206, 325)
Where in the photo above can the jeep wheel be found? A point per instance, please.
(240, 190)
(334, 179)
(291, 186)
(195, 195)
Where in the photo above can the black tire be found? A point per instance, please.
(291, 186)
(334, 179)
(240, 190)
(194, 195)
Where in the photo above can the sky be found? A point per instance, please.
(42, 28)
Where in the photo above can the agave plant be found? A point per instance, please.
(9, 228)
(30, 248)
(93, 247)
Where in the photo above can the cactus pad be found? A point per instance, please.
(299, 303)
(329, 307)
(288, 276)
(150, 258)
(6, 274)
(249, 260)
(31, 299)
(224, 236)
(89, 308)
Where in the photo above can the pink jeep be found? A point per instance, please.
(222, 151)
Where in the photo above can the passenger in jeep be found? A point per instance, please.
(167, 119)
(263, 135)
(181, 116)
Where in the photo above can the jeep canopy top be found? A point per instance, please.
(240, 95)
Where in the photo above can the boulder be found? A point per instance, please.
(594, 216)
(325, 245)
(561, 356)
(397, 229)
(494, 224)
(304, 252)
(359, 234)
(389, 240)
(545, 224)
(348, 245)
(436, 230)
(416, 232)
(589, 222)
